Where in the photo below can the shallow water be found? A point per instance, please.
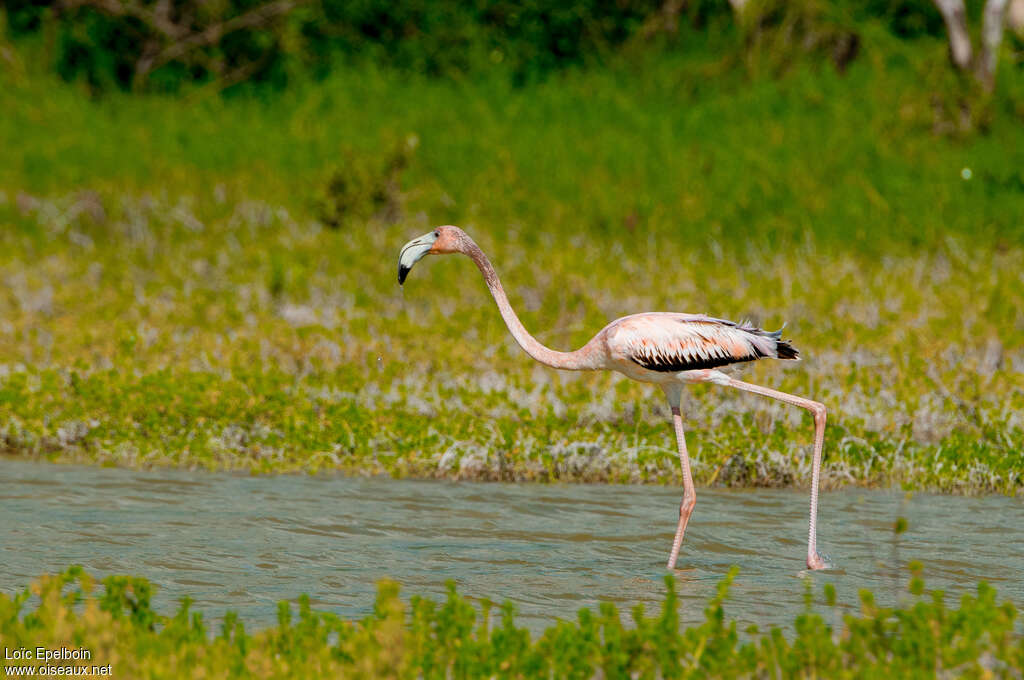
(232, 541)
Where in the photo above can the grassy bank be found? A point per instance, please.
(118, 628)
(211, 282)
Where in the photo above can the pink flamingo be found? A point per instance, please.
(664, 348)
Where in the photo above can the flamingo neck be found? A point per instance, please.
(580, 360)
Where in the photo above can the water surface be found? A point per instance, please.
(233, 541)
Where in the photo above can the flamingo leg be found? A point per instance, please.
(817, 409)
(689, 492)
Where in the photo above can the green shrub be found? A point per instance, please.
(364, 187)
(454, 639)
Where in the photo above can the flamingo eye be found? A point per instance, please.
(437, 233)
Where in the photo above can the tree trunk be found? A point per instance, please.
(955, 16)
(991, 37)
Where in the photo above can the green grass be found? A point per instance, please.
(923, 637)
(171, 296)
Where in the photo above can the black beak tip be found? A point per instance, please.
(402, 273)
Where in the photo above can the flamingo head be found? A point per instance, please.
(441, 241)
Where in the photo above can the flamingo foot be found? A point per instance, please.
(815, 561)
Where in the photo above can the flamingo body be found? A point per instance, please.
(665, 348)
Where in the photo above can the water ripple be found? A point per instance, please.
(240, 542)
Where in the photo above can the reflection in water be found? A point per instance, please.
(233, 541)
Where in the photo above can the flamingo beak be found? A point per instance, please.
(412, 252)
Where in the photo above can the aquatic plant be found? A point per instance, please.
(116, 625)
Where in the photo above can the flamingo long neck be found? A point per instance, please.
(582, 359)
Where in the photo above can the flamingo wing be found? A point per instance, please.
(685, 342)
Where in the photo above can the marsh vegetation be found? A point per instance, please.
(200, 284)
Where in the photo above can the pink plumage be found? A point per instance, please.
(669, 342)
(667, 349)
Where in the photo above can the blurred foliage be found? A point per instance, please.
(103, 42)
(365, 187)
(905, 18)
(778, 33)
(166, 44)
(921, 638)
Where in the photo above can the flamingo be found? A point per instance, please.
(664, 348)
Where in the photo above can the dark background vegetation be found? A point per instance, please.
(162, 45)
